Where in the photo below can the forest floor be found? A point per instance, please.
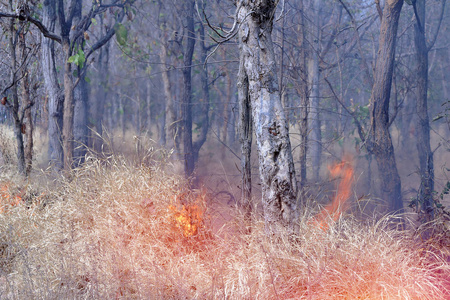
(128, 227)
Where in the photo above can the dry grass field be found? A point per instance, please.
(120, 229)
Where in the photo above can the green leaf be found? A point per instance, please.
(94, 21)
(87, 79)
(121, 34)
(72, 58)
(81, 58)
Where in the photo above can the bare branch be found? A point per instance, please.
(37, 23)
(433, 40)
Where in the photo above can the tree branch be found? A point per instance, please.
(37, 23)
(433, 40)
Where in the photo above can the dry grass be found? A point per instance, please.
(107, 232)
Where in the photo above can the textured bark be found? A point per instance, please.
(80, 126)
(304, 97)
(426, 169)
(68, 107)
(197, 145)
(15, 97)
(27, 103)
(245, 137)
(381, 145)
(188, 150)
(54, 93)
(278, 182)
(314, 115)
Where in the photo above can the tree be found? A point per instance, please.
(186, 111)
(380, 142)
(54, 92)
(20, 107)
(259, 87)
(72, 37)
(426, 163)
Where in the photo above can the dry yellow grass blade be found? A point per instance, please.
(107, 232)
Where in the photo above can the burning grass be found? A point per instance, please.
(113, 230)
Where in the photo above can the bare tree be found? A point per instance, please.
(426, 163)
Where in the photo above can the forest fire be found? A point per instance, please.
(6, 198)
(331, 212)
(190, 217)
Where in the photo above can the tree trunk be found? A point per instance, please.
(55, 95)
(205, 99)
(68, 107)
(26, 101)
(423, 127)
(245, 137)
(80, 126)
(101, 94)
(169, 108)
(382, 143)
(304, 98)
(15, 97)
(314, 116)
(279, 185)
(188, 150)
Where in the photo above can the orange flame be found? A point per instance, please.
(190, 217)
(332, 211)
(8, 199)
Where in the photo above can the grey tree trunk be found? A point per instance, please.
(197, 145)
(314, 115)
(80, 127)
(170, 124)
(69, 106)
(304, 98)
(15, 97)
(426, 163)
(55, 95)
(97, 104)
(276, 166)
(189, 162)
(27, 102)
(381, 145)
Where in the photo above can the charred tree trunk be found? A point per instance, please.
(279, 185)
(381, 144)
(245, 137)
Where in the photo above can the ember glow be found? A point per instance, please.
(7, 199)
(344, 172)
(189, 218)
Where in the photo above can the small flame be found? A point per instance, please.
(189, 218)
(7, 199)
(332, 211)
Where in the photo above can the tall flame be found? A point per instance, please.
(332, 212)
